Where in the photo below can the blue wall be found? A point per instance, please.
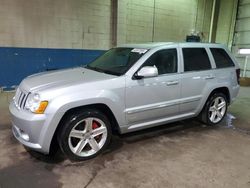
(17, 63)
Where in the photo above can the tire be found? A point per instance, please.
(215, 109)
(84, 135)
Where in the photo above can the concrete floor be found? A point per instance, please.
(182, 154)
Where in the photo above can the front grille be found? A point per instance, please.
(20, 98)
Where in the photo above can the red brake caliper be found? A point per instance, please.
(95, 126)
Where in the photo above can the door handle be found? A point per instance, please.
(172, 83)
(209, 77)
(196, 77)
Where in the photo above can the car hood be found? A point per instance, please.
(52, 79)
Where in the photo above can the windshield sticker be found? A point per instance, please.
(139, 50)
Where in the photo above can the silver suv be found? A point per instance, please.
(129, 88)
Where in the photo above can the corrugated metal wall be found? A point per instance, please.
(242, 32)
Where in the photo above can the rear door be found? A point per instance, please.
(197, 75)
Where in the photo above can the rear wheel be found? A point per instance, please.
(85, 135)
(215, 109)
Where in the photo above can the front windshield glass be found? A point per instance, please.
(116, 61)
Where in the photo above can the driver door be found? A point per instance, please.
(154, 98)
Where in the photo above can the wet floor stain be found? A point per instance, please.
(229, 122)
(157, 157)
(30, 169)
(36, 170)
(28, 174)
(19, 169)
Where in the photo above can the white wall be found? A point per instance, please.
(55, 23)
(226, 21)
(87, 23)
(172, 21)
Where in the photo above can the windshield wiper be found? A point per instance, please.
(94, 68)
(102, 70)
(111, 72)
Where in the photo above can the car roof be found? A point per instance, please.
(152, 45)
(147, 45)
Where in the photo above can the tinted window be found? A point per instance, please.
(195, 59)
(164, 60)
(117, 61)
(221, 58)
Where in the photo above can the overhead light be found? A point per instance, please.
(244, 51)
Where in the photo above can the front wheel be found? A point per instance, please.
(84, 135)
(215, 109)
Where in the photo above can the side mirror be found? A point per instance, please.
(146, 72)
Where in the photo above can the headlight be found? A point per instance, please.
(35, 105)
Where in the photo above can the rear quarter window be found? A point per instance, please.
(221, 58)
(195, 59)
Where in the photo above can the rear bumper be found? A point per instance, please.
(234, 93)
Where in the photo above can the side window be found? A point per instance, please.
(195, 59)
(164, 60)
(221, 58)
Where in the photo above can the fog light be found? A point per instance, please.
(24, 135)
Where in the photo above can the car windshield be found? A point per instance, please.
(117, 61)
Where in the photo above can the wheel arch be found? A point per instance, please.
(98, 106)
(223, 90)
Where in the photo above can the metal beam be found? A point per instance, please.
(214, 20)
(114, 14)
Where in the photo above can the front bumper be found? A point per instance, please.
(28, 128)
(22, 138)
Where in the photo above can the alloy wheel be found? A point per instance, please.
(87, 137)
(217, 109)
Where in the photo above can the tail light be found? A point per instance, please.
(238, 75)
